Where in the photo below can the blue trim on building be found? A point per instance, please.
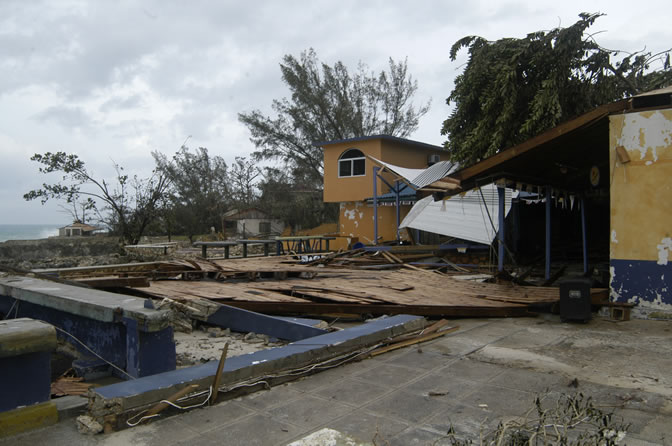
(646, 280)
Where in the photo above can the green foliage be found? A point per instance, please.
(199, 193)
(514, 89)
(290, 197)
(129, 205)
(328, 103)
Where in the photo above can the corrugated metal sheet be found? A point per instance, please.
(464, 216)
(434, 173)
(420, 177)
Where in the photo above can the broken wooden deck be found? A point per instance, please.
(281, 285)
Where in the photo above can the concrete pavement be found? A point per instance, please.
(489, 371)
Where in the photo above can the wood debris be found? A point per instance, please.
(69, 385)
(387, 281)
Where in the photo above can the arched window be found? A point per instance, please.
(352, 163)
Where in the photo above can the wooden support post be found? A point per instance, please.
(226, 252)
(204, 251)
(244, 249)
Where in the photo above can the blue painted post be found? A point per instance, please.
(396, 189)
(501, 193)
(148, 353)
(583, 235)
(547, 274)
(375, 205)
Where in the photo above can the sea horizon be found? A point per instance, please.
(29, 231)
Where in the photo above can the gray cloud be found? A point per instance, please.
(116, 80)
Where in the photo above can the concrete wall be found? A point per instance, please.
(641, 211)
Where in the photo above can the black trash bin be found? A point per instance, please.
(575, 299)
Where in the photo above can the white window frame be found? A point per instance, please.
(351, 161)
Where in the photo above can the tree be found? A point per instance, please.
(328, 103)
(131, 204)
(514, 89)
(293, 200)
(243, 174)
(78, 208)
(199, 193)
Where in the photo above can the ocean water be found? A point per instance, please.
(27, 232)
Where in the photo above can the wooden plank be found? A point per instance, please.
(509, 310)
(174, 397)
(416, 340)
(115, 282)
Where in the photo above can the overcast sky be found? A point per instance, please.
(114, 81)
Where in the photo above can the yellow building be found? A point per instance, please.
(605, 179)
(640, 150)
(348, 180)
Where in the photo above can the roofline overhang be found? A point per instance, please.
(409, 142)
(458, 181)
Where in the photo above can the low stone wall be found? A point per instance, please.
(58, 247)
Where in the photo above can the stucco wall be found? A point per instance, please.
(350, 188)
(641, 210)
(356, 220)
(360, 188)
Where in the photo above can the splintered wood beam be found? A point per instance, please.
(115, 282)
(415, 340)
(512, 310)
(218, 375)
(171, 399)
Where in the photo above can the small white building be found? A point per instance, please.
(251, 222)
(76, 229)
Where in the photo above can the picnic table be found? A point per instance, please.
(302, 244)
(205, 245)
(266, 244)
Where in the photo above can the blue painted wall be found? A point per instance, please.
(124, 343)
(643, 282)
(24, 380)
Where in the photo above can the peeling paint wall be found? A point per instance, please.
(641, 210)
(356, 220)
